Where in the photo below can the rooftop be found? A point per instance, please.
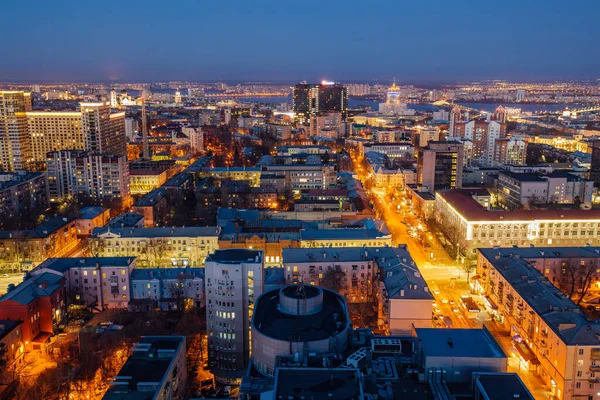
(63, 264)
(269, 320)
(235, 256)
(151, 198)
(402, 277)
(462, 202)
(474, 343)
(42, 285)
(91, 212)
(166, 273)
(6, 326)
(546, 300)
(160, 232)
(317, 384)
(502, 385)
(146, 368)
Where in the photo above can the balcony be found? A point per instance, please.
(595, 367)
(595, 355)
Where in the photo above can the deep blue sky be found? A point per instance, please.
(288, 40)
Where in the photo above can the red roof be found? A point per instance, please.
(471, 210)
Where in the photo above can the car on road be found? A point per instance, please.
(455, 309)
(444, 301)
(436, 291)
(451, 301)
(437, 310)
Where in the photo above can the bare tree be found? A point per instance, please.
(590, 275)
(155, 251)
(95, 246)
(569, 278)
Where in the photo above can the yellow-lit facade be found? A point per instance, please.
(50, 131)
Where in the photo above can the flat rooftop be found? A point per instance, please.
(235, 256)
(270, 321)
(502, 385)
(472, 211)
(473, 343)
(317, 384)
(147, 365)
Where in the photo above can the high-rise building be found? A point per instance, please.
(15, 142)
(103, 132)
(234, 279)
(595, 166)
(98, 176)
(177, 99)
(114, 100)
(314, 99)
(483, 133)
(511, 151)
(52, 131)
(520, 95)
(440, 165)
(132, 128)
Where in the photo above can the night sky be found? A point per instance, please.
(288, 41)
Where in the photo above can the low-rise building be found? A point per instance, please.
(462, 218)
(12, 346)
(553, 336)
(153, 206)
(459, 352)
(363, 274)
(156, 369)
(90, 218)
(395, 151)
(96, 283)
(297, 319)
(492, 386)
(184, 246)
(20, 191)
(40, 302)
(143, 181)
(366, 232)
(516, 190)
(24, 249)
(167, 288)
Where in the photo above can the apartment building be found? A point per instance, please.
(167, 288)
(512, 151)
(12, 346)
(403, 150)
(517, 190)
(303, 176)
(461, 217)
(440, 165)
(156, 369)
(234, 280)
(99, 283)
(156, 247)
(556, 340)
(15, 142)
(363, 274)
(53, 131)
(251, 174)
(24, 249)
(103, 131)
(143, 181)
(98, 176)
(40, 302)
(20, 191)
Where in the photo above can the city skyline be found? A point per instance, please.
(210, 42)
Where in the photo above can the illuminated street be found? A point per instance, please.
(446, 281)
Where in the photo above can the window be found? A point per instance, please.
(579, 363)
(581, 352)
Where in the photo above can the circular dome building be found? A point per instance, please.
(297, 319)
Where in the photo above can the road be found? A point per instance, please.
(448, 282)
(7, 279)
